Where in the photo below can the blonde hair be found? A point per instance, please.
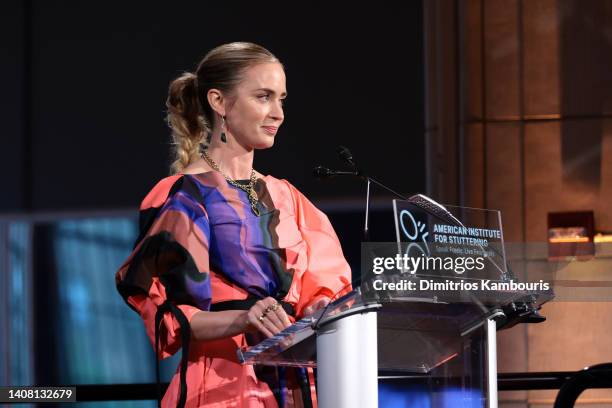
(189, 114)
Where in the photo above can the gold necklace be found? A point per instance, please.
(249, 188)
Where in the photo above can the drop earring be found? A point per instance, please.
(223, 137)
(208, 137)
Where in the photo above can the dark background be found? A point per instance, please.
(84, 86)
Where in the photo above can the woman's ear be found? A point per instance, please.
(216, 101)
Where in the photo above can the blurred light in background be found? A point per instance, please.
(96, 338)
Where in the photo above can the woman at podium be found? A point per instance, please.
(226, 255)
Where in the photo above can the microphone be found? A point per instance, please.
(321, 172)
(345, 154)
(324, 172)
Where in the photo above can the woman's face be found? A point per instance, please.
(255, 110)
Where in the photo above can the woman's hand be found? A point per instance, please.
(267, 316)
(318, 304)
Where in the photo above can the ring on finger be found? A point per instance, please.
(271, 308)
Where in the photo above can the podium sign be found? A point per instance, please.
(439, 233)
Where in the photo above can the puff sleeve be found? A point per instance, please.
(327, 272)
(169, 263)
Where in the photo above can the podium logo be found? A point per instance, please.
(415, 232)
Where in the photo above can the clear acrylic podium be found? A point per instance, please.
(439, 340)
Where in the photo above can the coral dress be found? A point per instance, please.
(200, 246)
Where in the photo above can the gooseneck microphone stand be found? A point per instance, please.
(346, 156)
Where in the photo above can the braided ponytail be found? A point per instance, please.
(186, 120)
